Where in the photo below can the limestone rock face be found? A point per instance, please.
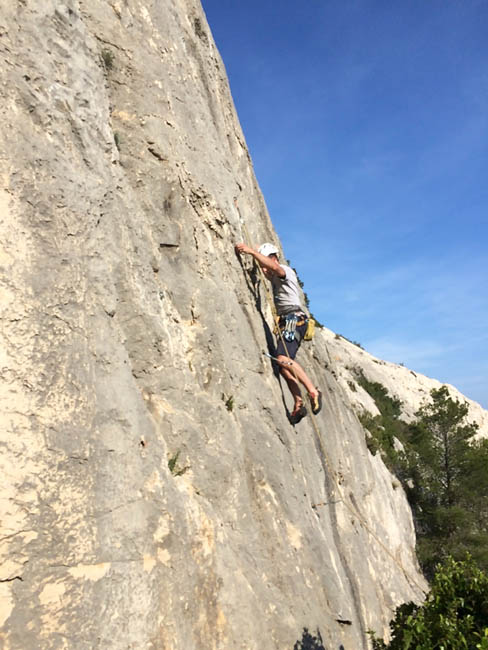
(153, 493)
(411, 388)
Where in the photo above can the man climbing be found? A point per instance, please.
(292, 325)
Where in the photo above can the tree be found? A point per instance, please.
(473, 498)
(442, 436)
(443, 462)
(454, 615)
(443, 469)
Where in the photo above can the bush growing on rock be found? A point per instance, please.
(453, 617)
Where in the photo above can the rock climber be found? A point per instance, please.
(292, 325)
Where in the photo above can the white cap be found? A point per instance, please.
(268, 249)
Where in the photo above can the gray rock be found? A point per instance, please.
(133, 336)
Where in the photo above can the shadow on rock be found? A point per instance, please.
(309, 642)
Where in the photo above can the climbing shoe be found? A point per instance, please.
(316, 402)
(297, 414)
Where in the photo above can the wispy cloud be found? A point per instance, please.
(413, 353)
(428, 314)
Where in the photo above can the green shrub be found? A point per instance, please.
(454, 615)
(384, 428)
(229, 402)
(172, 465)
(388, 406)
(107, 59)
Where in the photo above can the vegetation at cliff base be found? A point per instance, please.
(444, 472)
(448, 487)
(454, 615)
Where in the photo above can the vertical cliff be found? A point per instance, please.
(154, 495)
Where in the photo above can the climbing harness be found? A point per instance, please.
(352, 508)
(288, 324)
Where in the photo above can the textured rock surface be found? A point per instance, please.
(127, 324)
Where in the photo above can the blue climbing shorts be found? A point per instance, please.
(291, 346)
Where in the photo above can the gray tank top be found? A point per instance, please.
(286, 291)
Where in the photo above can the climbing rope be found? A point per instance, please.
(352, 509)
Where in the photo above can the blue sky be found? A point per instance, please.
(367, 123)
